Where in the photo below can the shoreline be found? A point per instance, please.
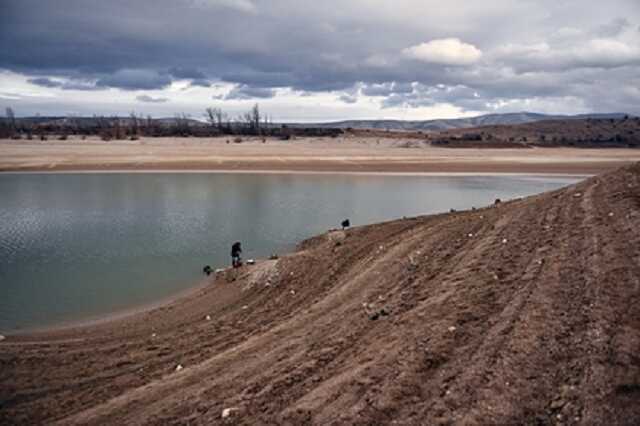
(124, 314)
(132, 312)
(437, 301)
(287, 172)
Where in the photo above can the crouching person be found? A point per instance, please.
(236, 249)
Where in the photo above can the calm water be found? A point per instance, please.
(74, 246)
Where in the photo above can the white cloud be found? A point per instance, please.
(595, 53)
(245, 6)
(446, 51)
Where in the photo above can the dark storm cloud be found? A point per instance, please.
(247, 92)
(64, 85)
(135, 79)
(498, 51)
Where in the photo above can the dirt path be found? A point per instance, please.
(528, 312)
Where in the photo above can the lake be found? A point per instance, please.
(77, 246)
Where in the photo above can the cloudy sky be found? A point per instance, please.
(320, 60)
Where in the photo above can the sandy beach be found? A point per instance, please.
(343, 154)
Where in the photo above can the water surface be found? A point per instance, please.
(74, 246)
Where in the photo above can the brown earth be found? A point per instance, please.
(523, 313)
(343, 154)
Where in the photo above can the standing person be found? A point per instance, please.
(236, 249)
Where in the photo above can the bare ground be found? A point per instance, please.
(345, 154)
(524, 313)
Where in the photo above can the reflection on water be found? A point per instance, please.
(80, 245)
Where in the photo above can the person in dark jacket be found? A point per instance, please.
(236, 249)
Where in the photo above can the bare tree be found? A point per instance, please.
(255, 118)
(215, 118)
(11, 121)
(135, 128)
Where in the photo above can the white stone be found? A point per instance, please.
(179, 367)
(227, 412)
(452, 329)
(208, 317)
(1, 337)
(504, 241)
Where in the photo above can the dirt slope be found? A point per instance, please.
(528, 312)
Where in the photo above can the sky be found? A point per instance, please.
(319, 60)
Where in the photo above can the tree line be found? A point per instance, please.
(217, 123)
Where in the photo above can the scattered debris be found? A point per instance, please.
(179, 367)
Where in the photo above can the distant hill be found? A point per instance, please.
(398, 125)
(454, 123)
(603, 131)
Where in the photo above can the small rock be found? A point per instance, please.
(245, 307)
(273, 256)
(219, 270)
(374, 316)
(1, 337)
(504, 241)
(577, 194)
(153, 335)
(610, 214)
(293, 292)
(227, 412)
(384, 312)
(179, 367)
(208, 317)
(251, 261)
(470, 235)
(557, 403)
(452, 329)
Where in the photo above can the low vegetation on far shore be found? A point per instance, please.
(621, 131)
